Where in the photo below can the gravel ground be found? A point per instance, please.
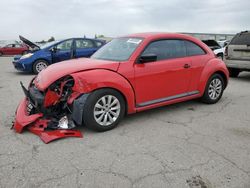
(183, 145)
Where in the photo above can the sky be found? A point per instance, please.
(41, 19)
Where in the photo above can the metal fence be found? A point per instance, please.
(211, 36)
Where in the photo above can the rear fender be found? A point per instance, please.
(88, 81)
(213, 66)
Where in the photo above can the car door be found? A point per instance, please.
(8, 50)
(17, 49)
(63, 51)
(84, 48)
(165, 79)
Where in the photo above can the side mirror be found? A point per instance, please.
(147, 58)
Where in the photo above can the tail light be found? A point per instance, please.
(226, 51)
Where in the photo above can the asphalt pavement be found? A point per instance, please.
(190, 145)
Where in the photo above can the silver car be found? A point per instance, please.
(237, 54)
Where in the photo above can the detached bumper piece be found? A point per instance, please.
(39, 126)
(39, 129)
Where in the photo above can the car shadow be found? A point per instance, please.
(21, 73)
(24, 73)
(244, 76)
(186, 105)
(182, 106)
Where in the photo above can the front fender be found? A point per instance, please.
(213, 66)
(88, 81)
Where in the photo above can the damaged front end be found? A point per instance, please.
(53, 113)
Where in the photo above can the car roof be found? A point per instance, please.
(80, 38)
(155, 35)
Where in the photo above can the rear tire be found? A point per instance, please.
(1, 53)
(234, 73)
(103, 110)
(39, 65)
(214, 89)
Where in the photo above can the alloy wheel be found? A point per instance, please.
(215, 89)
(107, 110)
(40, 66)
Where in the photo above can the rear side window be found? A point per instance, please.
(193, 49)
(98, 43)
(84, 43)
(166, 49)
(241, 39)
(66, 45)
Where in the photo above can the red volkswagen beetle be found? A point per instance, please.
(128, 75)
(14, 49)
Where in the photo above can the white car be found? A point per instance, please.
(217, 49)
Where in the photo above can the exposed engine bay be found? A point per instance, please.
(53, 113)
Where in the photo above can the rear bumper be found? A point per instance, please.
(239, 64)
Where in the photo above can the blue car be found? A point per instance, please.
(41, 57)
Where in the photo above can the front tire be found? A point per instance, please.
(1, 53)
(39, 65)
(214, 89)
(103, 110)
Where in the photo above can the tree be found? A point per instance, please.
(51, 39)
(100, 36)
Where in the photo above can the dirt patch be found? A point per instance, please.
(243, 132)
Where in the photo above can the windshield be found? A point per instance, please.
(119, 49)
(48, 44)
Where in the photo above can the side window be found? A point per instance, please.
(166, 49)
(10, 46)
(17, 46)
(66, 45)
(193, 49)
(83, 43)
(98, 44)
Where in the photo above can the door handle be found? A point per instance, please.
(186, 66)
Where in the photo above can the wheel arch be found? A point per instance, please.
(40, 58)
(212, 67)
(223, 75)
(88, 81)
(117, 90)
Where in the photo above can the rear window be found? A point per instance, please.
(193, 49)
(241, 39)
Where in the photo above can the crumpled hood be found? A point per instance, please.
(58, 70)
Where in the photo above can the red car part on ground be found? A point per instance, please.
(85, 88)
(38, 126)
